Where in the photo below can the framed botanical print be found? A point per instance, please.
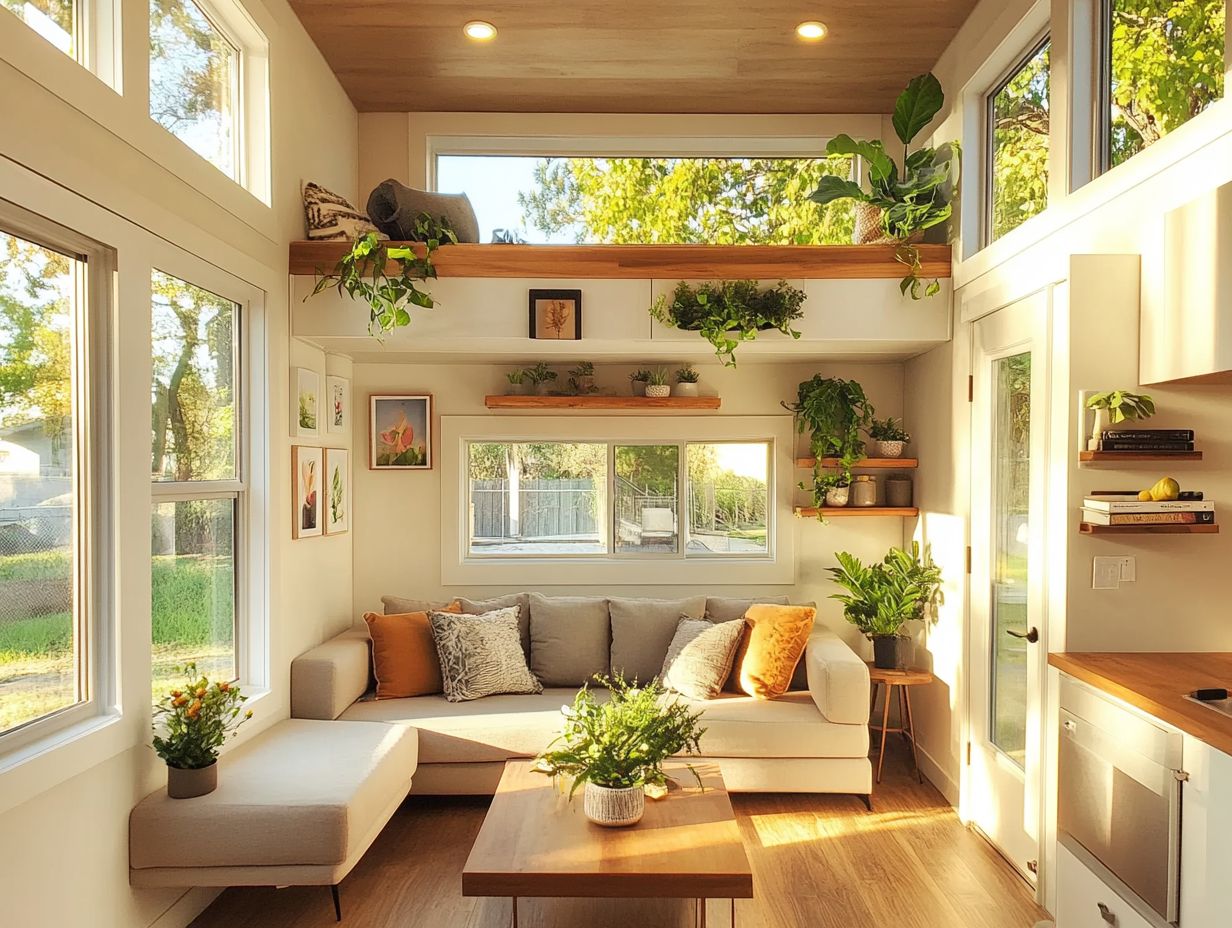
(337, 490)
(556, 314)
(305, 403)
(400, 432)
(337, 405)
(307, 468)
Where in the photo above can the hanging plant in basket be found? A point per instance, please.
(730, 312)
(362, 274)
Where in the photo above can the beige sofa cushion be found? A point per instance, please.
(721, 609)
(302, 793)
(642, 629)
(570, 639)
(331, 676)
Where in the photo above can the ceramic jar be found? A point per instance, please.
(898, 491)
(864, 491)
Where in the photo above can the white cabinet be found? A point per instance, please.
(1085, 901)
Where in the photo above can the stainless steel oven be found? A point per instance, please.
(1119, 795)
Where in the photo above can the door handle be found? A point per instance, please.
(1030, 636)
(1107, 914)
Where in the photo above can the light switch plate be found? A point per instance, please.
(1129, 569)
(1106, 573)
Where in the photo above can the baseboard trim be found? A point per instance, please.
(939, 778)
(187, 907)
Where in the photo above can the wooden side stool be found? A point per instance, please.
(902, 680)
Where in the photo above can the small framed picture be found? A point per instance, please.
(305, 403)
(337, 405)
(307, 469)
(556, 314)
(337, 489)
(400, 432)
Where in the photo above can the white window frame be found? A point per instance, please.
(93, 562)
(459, 567)
(97, 42)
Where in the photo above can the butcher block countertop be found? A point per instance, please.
(1157, 682)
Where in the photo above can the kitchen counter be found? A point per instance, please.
(1157, 682)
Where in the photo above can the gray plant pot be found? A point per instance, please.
(892, 652)
(898, 492)
(518, 389)
(189, 784)
(637, 387)
(685, 389)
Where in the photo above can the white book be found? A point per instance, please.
(1105, 504)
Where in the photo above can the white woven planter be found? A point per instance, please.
(891, 449)
(658, 389)
(613, 808)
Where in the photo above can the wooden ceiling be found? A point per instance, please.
(636, 56)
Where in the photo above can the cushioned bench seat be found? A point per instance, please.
(298, 804)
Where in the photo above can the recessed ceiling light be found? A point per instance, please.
(479, 30)
(812, 30)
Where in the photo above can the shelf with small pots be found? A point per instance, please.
(603, 402)
(863, 463)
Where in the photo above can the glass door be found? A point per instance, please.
(1005, 643)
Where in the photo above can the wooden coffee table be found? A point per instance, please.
(535, 843)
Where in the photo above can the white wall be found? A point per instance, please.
(90, 159)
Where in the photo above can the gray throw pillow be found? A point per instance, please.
(721, 609)
(481, 655)
(521, 600)
(396, 208)
(700, 657)
(643, 628)
(570, 639)
(399, 605)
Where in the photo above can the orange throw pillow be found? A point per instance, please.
(404, 660)
(772, 645)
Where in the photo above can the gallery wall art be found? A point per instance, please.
(305, 403)
(400, 432)
(307, 468)
(337, 490)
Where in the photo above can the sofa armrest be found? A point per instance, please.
(331, 676)
(837, 678)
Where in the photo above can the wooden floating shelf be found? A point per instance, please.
(1107, 457)
(832, 512)
(1165, 528)
(602, 402)
(864, 463)
(724, 262)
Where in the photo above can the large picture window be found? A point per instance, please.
(1018, 133)
(198, 480)
(1164, 64)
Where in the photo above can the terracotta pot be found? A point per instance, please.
(891, 652)
(891, 449)
(685, 389)
(658, 389)
(614, 808)
(188, 784)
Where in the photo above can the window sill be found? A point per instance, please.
(41, 765)
(618, 571)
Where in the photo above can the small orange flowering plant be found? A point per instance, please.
(197, 718)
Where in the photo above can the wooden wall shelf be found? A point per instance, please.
(1121, 457)
(729, 262)
(1087, 528)
(839, 512)
(864, 463)
(602, 402)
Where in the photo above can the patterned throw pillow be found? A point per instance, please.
(700, 657)
(332, 217)
(481, 655)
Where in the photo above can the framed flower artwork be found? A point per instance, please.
(307, 470)
(400, 432)
(337, 490)
(337, 405)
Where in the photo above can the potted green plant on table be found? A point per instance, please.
(541, 378)
(833, 412)
(657, 385)
(730, 312)
(616, 749)
(637, 382)
(900, 204)
(889, 436)
(882, 598)
(1114, 407)
(686, 381)
(195, 719)
(582, 379)
(519, 384)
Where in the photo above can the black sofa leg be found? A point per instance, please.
(867, 799)
(333, 891)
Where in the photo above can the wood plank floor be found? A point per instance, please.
(818, 862)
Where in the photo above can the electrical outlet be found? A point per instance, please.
(1106, 573)
(1129, 569)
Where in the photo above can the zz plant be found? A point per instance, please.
(911, 198)
(730, 312)
(362, 273)
(834, 412)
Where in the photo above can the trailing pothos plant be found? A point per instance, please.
(362, 273)
(912, 198)
(834, 412)
(730, 312)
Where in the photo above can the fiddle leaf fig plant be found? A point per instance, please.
(730, 312)
(363, 274)
(912, 198)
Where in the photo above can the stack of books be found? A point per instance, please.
(1156, 441)
(1127, 509)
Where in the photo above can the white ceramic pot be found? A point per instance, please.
(1102, 421)
(658, 389)
(685, 389)
(891, 449)
(613, 808)
(838, 496)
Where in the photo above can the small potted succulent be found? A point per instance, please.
(686, 381)
(1115, 407)
(637, 382)
(195, 719)
(889, 437)
(582, 379)
(541, 377)
(616, 748)
(881, 598)
(657, 385)
(519, 384)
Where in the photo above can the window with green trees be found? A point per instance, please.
(1165, 64)
(1018, 125)
(55, 20)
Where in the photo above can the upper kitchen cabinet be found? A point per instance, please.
(1187, 328)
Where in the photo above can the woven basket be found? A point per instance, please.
(868, 229)
(613, 808)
